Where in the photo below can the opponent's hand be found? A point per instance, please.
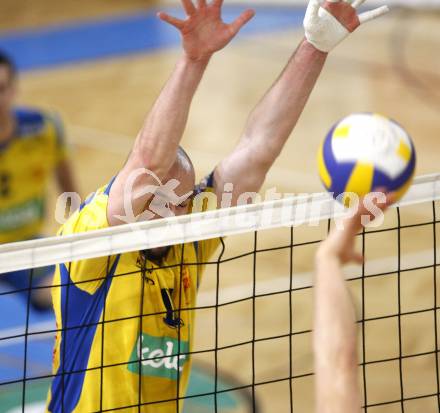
(340, 243)
(203, 32)
(329, 24)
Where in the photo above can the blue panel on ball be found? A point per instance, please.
(381, 180)
(340, 172)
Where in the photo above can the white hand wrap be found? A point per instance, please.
(323, 31)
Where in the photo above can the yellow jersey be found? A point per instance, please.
(27, 161)
(107, 356)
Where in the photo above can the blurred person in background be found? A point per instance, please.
(32, 150)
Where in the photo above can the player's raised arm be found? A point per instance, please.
(203, 33)
(335, 336)
(272, 121)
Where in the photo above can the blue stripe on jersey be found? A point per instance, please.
(80, 314)
(87, 201)
(30, 122)
(109, 186)
(92, 196)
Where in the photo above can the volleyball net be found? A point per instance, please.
(252, 318)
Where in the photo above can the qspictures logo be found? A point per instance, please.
(158, 356)
(163, 199)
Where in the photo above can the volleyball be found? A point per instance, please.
(366, 151)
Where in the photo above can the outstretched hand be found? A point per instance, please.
(340, 243)
(204, 32)
(329, 24)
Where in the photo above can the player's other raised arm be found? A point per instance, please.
(272, 121)
(203, 33)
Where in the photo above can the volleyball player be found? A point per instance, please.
(145, 361)
(32, 150)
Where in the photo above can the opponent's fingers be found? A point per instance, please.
(358, 257)
(373, 14)
(177, 23)
(241, 20)
(189, 7)
(201, 4)
(353, 256)
(378, 198)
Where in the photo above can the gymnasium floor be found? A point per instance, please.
(103, 92)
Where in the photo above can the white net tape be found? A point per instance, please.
(292, 211)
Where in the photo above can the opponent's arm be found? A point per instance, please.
(273, 119)
(155, 149)
(334, 339)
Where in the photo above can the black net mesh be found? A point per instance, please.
(251, 345)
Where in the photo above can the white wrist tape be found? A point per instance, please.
(323, 31)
